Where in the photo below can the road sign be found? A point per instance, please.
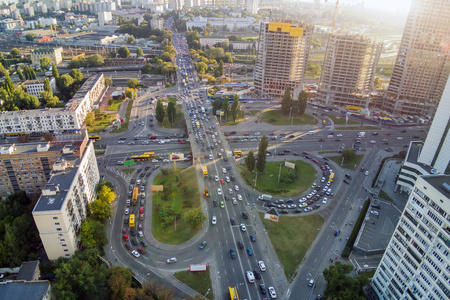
(176, 156)
(157, 188)
(128, 162)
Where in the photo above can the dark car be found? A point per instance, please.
(133, 231)
(240, 244)
(283, 211)
(348, 176)
(128, 245)
(245, 215)
(232, 253)
(346, 181)
(232, 178)
(289, 201)
(316, 206)
(232, 221)
(144, 243)
(281, 153)
(287, 151)
(376, 206)
(250, 251)
(297, 211)
(214, 203)
(257, 274)
(135, 242)
(262, 288)
(270, 205)
(252, 238)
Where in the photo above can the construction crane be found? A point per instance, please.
(333, 23)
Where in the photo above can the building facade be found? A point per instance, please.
(423, 61)
(348, 71)
(222, 24)
(210, 41)
(416, 263)
(65, 198)
(252, 6)
(35, 87)
(283, 51)
(55, 55)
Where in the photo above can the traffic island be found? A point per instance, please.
(275, 117)
(291, 238)
(198, 281)
(293, 182)
(177, 215)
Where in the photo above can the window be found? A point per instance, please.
(62, 240)
(64, 245)
(58, 229)
(57, 224)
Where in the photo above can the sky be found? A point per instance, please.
(389, 5)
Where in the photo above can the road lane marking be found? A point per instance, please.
(189, 259)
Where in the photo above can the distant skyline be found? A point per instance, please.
(401, 6)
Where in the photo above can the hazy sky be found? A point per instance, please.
(391, 5)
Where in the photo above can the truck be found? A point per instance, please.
(265, 198)
(361, 134)
(205, 171)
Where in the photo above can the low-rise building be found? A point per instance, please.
(210, 41)
(222, 24)
(35, 87)
(55, 55)
(30, 290)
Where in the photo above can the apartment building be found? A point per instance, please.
(423, 60)
(55, 55)
(282, 55)
(35, 87)
(222, 24)
(210, 41)
(65, 198)
(430, 157)
(416, 264)
(348, 71)
(70, 117)
(252, 6)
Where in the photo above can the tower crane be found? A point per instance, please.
(333, 23)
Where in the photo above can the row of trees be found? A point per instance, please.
(291, 106)
(224, 105)
(260, 161)
(95, 60)
(170, 112)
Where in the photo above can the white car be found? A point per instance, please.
(227, 178)
(135, 253)
(171, 260)
(366, 173)
(262, 266)
(302, 205)
(140, 233)
(121, 142)
(128, 202)
(374, 212)
(161, 142)
(272, 292)
(399, 138)
(338, 135)
(236, 188)
(127, 211)
(373, 142)
(324, 201)
(322, 179)
(230, 190)
(219, 191)
(302, 200)
(243, 228)
(155, 160)
(224, 170)
(239, 196)
(166, 160)
(210, 157)
(214, 220)
(234, 200)
(216, 178)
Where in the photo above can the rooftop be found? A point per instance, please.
(413, 154)
(27, 270)
(27, 148)
(440, 183)
(47, 50)
(29, 290)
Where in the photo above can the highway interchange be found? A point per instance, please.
(223, 236)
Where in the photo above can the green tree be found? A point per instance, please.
(89, 121)
(8, 85)
(45, 63)
(262, 154)
(340, 285)
(76, 74)
(139, 52)
(286, 102)
(216, 105)
(302, 100)
(235, 107)
(15, 53)
(55, 72)
(348, 155)
(228, 58)
(123, 52)
(93, 234)
(159, 112)
(201, 68)
(20, 74)
(3, 70)
(133, 83)
(226, 108)
(47, 86)
(49, 100)
(95, 60)
(377, 83)
(130, 93)
(171, 112)
(250, 161)
(194, 217)
(130, 39)
(30, 36)
(119, 279)
(147, 68)
(219, 70)
(108, 81)
(101, 207)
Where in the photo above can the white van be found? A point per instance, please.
(120, 162)
(138, 182)
(310, 132)
(250, 277)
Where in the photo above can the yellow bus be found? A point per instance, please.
(324, 122)
(237, 153)
(131, 220)
(331, 177)
(205, 171)
(150, 154)
(197, 124)
(135, 196)
(95, 137)
(143, 157)
(233, 293)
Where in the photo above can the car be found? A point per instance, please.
(281, 205)
(214, 220)
(232, 221)
(240, 244)
(272, 292)
(399, 138)
(252, 238)
(244, 215)
(224, 170)
(142, 251)
(366, 173)
(309, 208)
(230, 191)
(250, 251)
(227, 178)
(214, 203)
(210, 157)
(305, 153)
(219, 191)
(216, 178)
(324, 200)
(171, 260)
(262, 266)
(134, 242)
(348, 176)
(290, 206)
(133, 231)
(202, 245)
(346, 181)
(141, 210)
(125, 238)
(239, 197)
(262, 288)
(243, 228)
(232, 253)
(376, 206)
(140, 233)
(283, 211)
(128, 246)
(222, 181)
(233, 200)
(302, 205)
(257, 274)
(297, 211)
(322, 179)
(374, 212)
(141, 217)
(127, 211)
(232, 178)
(222, 204)
(373, 142)
(236, 187)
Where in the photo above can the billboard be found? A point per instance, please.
(289, 165)
(198, 267)
(271, 217)
(176, 156)
(157, 188)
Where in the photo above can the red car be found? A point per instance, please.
(143, 251)
(322, 167)
(125, 238)
(153, 137)
(305, 153)
(222, 181)
(387, 133)
(272, 133)
(315, 160)
(141, 210)
(181, 142)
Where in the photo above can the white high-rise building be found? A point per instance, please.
(252, 6)
(416, 263)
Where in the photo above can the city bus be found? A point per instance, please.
(95, 137)
(143, 157)
(237, 153)
(233, 293)
(131, 220)
(197, 124)
(324, 122)
(205, 171)
(135, 196)
(331, 177)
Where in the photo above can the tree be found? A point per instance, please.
(194, 217)
(348, 155)
(45, 63)
(89, 119)
(8, 85)
(235, 107)
(55, 72)
(95, 60)
(130, 39)
(302, 100)
(171, 112)
(250, 161)
(101, 207)
(133, 83)
(130, 93)
(262, 154)
(49, 100)
(76, 75)
(3, 70)
(119, 279)
(216, 105)
(123, 52)
(286, 102)
(108, 81)
(226, 108)
(30, 36)
(147, 68)
(93, 234)
(377, 83)
(159, 112)
(47, 86)
(20, 74)
(340, 285)
(139, 52)
(219, 70)
(15, 53)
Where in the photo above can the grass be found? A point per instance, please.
(274, 117)
(198, 281)
(254, 112)
(178, 122)
(340, 120)
(124, 125)
(240, 118)
(349, 164)
(115, 105)
(181, 193)
(128, 171)
(291, 251)
(351, 240)
(268, 182)
(383, 195)
(367, 127)
(101, 121)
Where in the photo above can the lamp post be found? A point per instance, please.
(279, 174)
(256, 178)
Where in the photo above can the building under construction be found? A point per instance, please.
(282, 57)
(348, 71)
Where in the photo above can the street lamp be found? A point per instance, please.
(256, 178)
